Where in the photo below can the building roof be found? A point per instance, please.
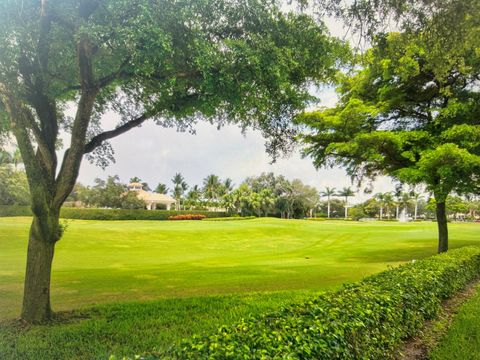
(155, 197)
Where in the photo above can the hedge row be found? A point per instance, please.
(109, 214)
(364, 320)
(13, 210)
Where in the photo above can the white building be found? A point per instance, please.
(151, 199)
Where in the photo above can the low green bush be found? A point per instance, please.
(109, 214)
(364, 320)
(15, 210)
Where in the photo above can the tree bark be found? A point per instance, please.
(442, 227)
(44, 232)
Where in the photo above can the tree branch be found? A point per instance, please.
(48, 160)
(73, 156)
(97, 140)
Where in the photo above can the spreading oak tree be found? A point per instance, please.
(401, 115)
(172, 62)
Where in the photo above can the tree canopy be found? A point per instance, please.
(396, 116)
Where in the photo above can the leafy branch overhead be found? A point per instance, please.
(396, 117)
(225, 61)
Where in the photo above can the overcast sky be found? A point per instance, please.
(155, 154)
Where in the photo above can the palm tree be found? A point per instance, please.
(193, 196)
(380, 197)
(416, 197)
(388, 201)
(228, 185)
(161, 189)
(346, 192)
(405, 200)
(212, 187)
(179, 188)
(397, 194)
(329, 192)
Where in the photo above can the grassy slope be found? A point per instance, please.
(101, 262)
(462, 341)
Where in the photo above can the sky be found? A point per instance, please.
(155, 154)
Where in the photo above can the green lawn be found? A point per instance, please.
(462, 341)
(256, 265)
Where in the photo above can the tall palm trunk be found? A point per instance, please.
(328, 207)
(346, 208)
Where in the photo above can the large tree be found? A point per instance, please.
(397, 116)
(242, 62)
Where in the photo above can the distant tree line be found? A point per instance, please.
(264, 195)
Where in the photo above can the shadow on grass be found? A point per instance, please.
(124, 329)
(407, 252)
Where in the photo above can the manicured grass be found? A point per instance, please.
(185, 266)
(130, 328)
(462, 340)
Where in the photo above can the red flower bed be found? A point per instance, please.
(187, 217)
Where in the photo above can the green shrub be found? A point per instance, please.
(364, 320)
(15, 210)
(108, 214)
(357, 213)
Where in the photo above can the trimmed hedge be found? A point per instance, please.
(364, 320)
(15, 210)
(109, 214)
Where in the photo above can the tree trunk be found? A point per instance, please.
(328, 209)
(442, 227)
(36, 298)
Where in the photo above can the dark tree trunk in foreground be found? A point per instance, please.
(36, 300)
(442, 227)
